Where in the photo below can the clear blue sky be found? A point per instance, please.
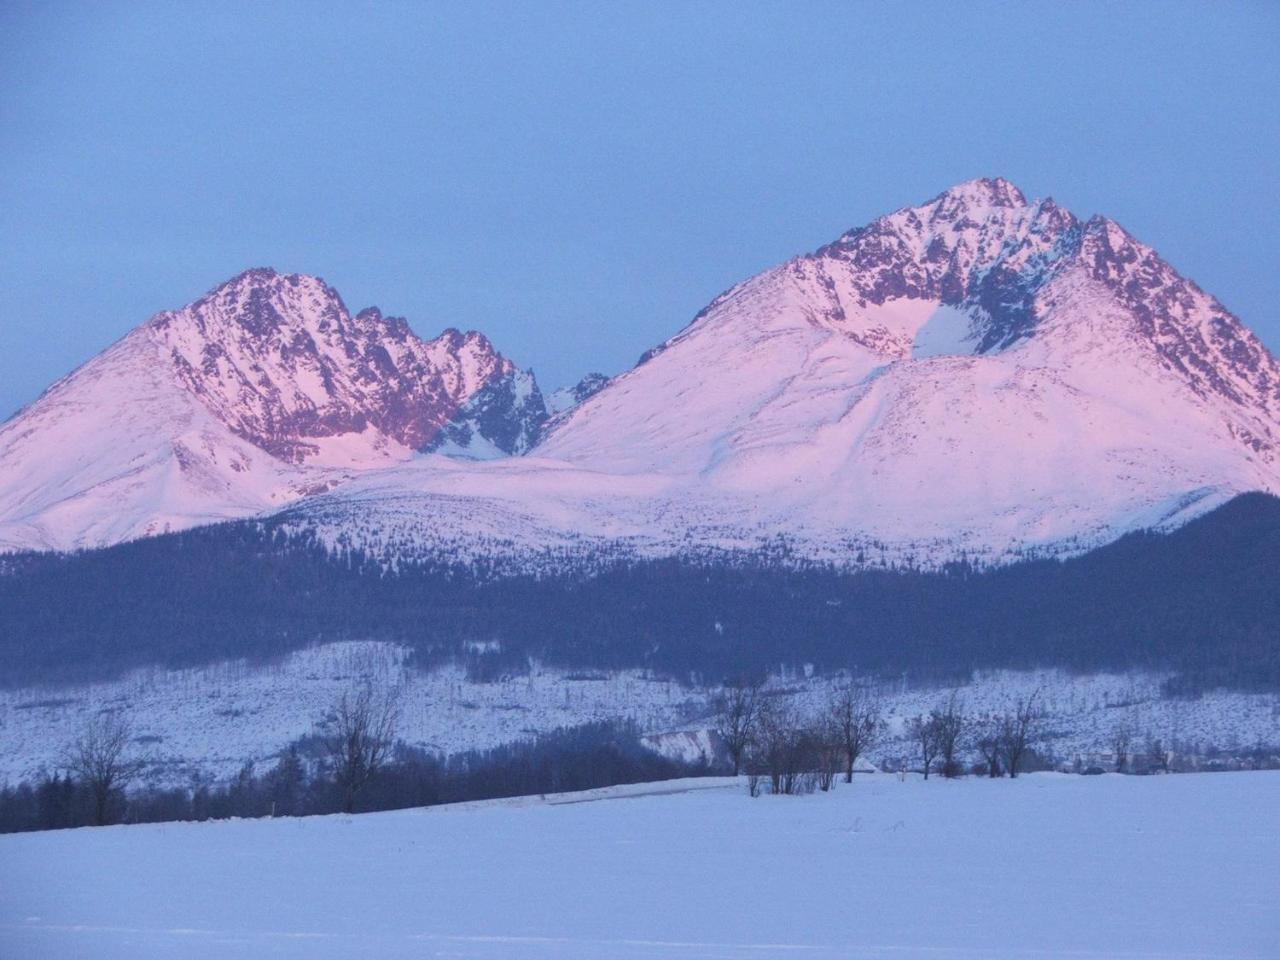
(578, 180)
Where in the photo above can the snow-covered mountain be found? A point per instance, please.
(943, 316)
(261, 392)
(980, 368)
(980, 375)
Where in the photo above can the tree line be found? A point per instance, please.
(1203, 601)
(353, 761)
(786, 752)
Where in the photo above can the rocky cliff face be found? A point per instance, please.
(506, 416)
(280, 361)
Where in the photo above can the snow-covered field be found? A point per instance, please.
(1048, 865)
(212, 720)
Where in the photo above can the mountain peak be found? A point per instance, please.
(253, 274)
(984, 192)
(975, 371)
(279, 360)
(268, 279)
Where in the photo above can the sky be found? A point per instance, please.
(578, 180)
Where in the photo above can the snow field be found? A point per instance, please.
(1047, 865)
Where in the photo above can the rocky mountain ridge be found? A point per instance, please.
(263, 391)
(981, 375)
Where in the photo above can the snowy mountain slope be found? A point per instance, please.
(977, 363)
(263, 391)
(80, 467)
(980, 375)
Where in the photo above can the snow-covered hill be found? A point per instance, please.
(1047, 865)
(980, 375)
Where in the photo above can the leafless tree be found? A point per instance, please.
(857, 721)
(924, 731)
(783, 749)
(736, 715)
(827, 752)
(989, 744)
(1017, 731)
(361, 737)
(1157, 755)
(948, 724)
(1121, 744)
(99, 759)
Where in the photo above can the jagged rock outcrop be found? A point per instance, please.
(280, 361)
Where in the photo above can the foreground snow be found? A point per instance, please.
(1045, 866)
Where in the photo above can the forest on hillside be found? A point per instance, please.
(1203, 601)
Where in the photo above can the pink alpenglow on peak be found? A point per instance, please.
(279, 360)
(263, 391)
(981, 375)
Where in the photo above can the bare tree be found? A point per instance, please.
(361, 738)
(1157, 756)
(1017, 731)
(99, 760)
(1121, 744)
(857, 722)
(737, 708)
(783, 749)
(827, 753)
(989, 744)
(948, 724)
(924, 731)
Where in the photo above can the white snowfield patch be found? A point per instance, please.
(210, 721)
(690, 746)
(1048, 865)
